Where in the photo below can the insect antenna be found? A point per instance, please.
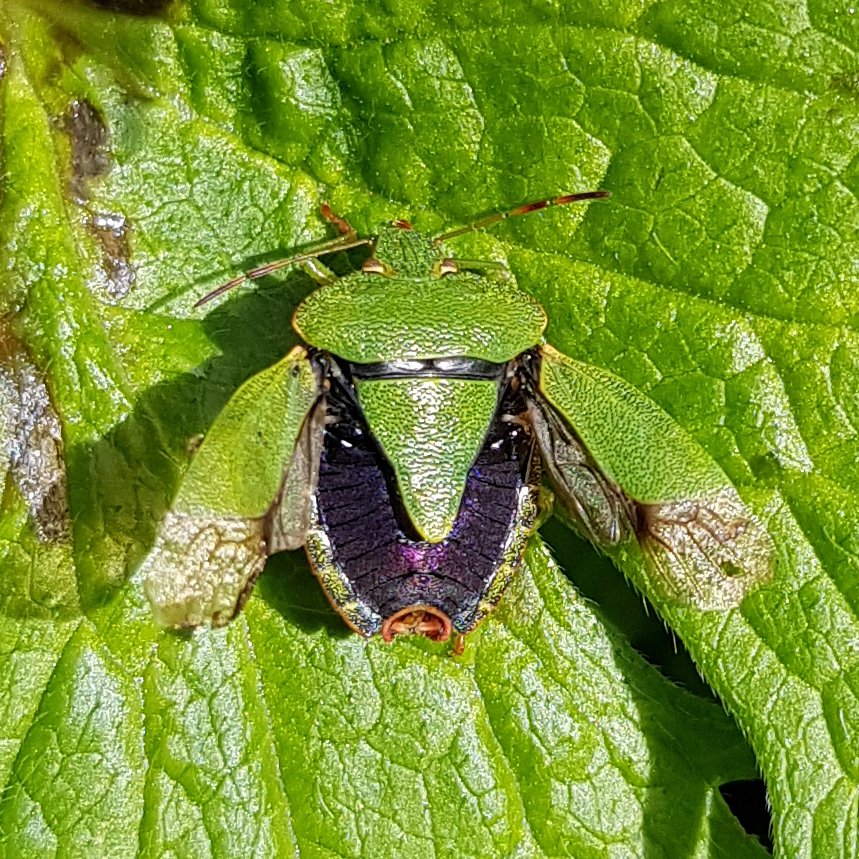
(345, 243)
(524, 209)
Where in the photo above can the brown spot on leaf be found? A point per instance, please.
(112, 233)
(89, 141)
(31, 443)
(91, 159)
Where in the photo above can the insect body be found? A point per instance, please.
(404, 448)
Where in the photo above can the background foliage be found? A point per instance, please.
(147, 156)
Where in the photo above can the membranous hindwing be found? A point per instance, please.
(620, 466)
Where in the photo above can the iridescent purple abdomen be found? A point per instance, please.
(378, 574)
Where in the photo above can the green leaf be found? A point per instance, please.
(147, 158)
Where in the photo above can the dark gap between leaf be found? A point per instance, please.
(747, 801)
(134, 7)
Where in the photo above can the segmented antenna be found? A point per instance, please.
(524, 209)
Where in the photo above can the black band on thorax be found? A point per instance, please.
(434, 368)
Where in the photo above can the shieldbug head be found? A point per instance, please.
(404, 447)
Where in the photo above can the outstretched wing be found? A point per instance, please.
(214, 539)
(596, 506)
(639, 470)
(708, 552)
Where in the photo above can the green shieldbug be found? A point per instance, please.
(404, 447)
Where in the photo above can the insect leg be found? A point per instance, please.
(329, 246)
